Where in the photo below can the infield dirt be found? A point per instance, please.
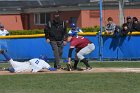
(94, 70)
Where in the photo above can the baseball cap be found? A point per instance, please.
(72, 25)
(129, 17)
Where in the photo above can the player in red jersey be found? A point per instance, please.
(83, 47)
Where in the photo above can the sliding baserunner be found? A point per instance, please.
(33, 65)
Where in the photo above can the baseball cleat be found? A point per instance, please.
(88, 69)
(77, 69)
(58, 66)
(69, 68)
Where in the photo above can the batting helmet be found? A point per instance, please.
(43, 57)
(72, 25)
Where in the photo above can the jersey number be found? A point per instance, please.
(37, 62)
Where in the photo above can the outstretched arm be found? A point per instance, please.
(46, 65)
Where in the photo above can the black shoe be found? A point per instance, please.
(69, 68)
(77, 69)
(88, 69)
(57, 66)
(74, 68)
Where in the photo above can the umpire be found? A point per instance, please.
(55, 34)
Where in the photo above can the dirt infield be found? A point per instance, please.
(94, 70)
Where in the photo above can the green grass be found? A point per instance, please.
(71, 83)
(74, 83)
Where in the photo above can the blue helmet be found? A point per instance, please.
(43, 57)
(73, 25)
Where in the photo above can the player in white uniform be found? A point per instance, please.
(33, 65)
(74, 30)
(3, 32)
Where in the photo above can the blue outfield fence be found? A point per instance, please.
(113, 47)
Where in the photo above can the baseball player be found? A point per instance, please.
(33, 65)
(74, 30)
(83, 47)
(3, 32)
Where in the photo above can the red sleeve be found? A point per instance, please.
(73, 43)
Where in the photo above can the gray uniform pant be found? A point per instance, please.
(57, 47)
(86, 50)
